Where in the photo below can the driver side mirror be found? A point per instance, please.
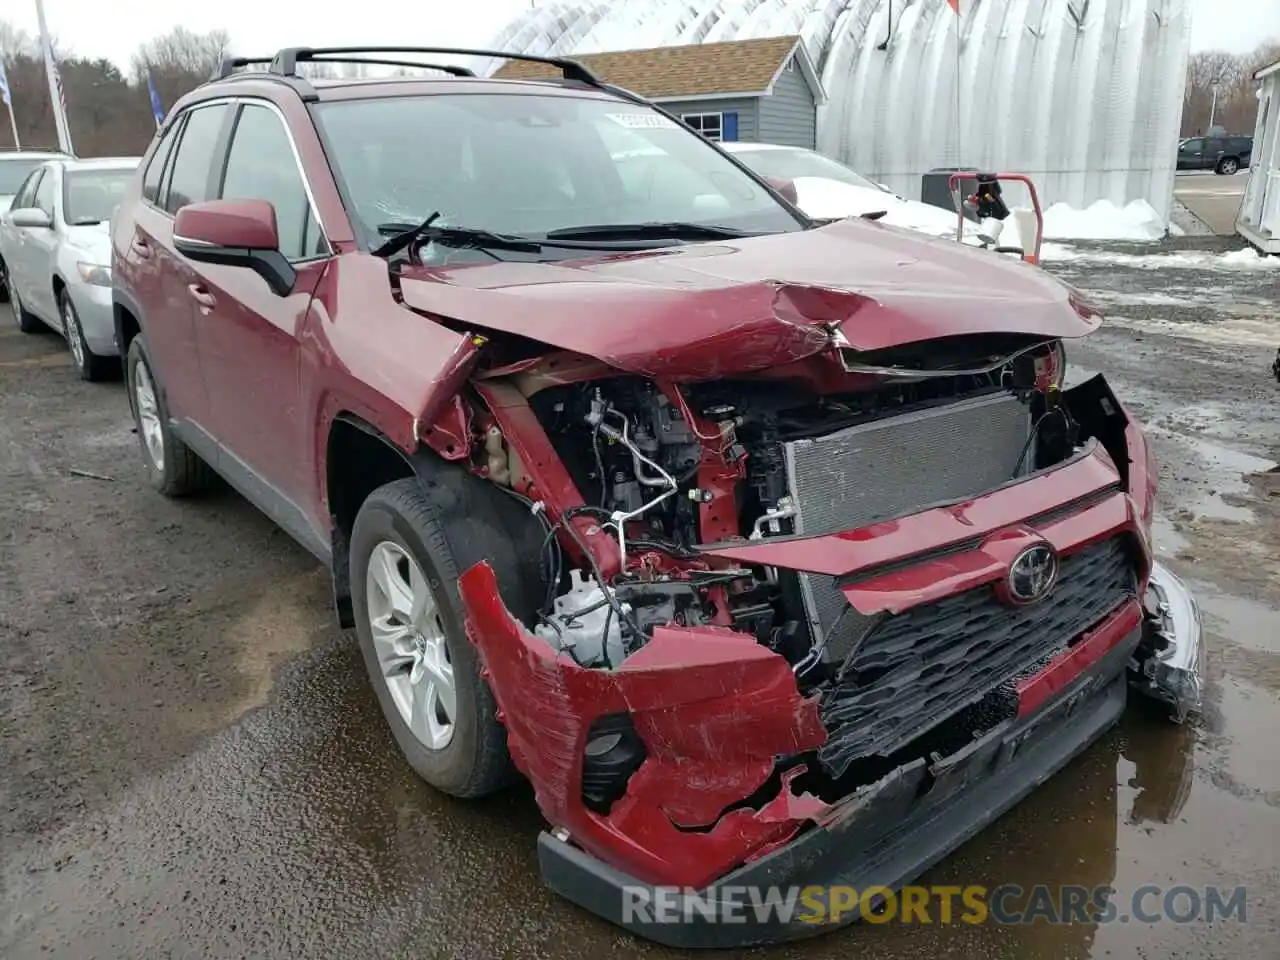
(31, 217)
(787, 188)
(235, 233)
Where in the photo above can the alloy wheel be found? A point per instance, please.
(71, 331)
(409, 640)
(144, 395)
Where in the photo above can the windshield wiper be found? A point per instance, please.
(648, 231)
(402, 235)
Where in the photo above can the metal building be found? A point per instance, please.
(1084, 95)
(1259, 217)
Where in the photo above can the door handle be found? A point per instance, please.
(202, 296)
(141, 248)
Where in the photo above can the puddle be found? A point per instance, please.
(1224, 471)
(1169, 542)
(1248, 712)
(1241, 621)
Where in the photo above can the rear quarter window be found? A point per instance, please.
(155, 168)
(193, 161)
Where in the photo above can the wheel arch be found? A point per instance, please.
(359, 458)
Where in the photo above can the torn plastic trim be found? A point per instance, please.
(713, 708)
(886, 834)
(1171, 673)
(850, 364)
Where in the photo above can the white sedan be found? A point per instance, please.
(55, 248)
(828, 190)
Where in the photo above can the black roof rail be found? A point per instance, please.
(286, 61)
(230, 65)
(382, 62)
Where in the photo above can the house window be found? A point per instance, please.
(710, 125)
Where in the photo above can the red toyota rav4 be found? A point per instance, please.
(769, 551)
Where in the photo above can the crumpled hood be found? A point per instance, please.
(704, 310)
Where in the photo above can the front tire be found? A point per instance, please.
(409, 620)
(173, 468)
(89, 365)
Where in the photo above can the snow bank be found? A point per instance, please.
(1249, 258)
(1104, 221)
(1246, 259)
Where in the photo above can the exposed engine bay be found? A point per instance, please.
(669, 473)
(641, 455)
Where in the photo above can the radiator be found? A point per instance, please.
(889, 468)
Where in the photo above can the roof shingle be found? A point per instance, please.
(694, 70)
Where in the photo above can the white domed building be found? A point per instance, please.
(1083, 95)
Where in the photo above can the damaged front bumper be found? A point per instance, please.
(716, 744)
(1167, 667)
(884, 835)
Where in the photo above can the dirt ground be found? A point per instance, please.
(192, 763)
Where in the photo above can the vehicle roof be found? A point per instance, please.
(105, 163)
(34, 155)
(741, 146)
(259, 83)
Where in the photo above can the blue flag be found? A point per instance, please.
(4, 85)
(156, 108)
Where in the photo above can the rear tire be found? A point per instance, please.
(27, 321)
(173, 468)
(1228, 166)
(399, 521)
(4, 281)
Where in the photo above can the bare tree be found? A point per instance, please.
(1221, 91)
(181, 51)
(16, 43)
(109, 113)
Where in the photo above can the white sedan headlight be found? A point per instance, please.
(95, 273)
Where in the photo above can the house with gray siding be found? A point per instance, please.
(764, 90)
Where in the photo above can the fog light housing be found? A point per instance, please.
(612, 753)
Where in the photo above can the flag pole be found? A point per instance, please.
(13, 123)
(7, 94)
(55, 84)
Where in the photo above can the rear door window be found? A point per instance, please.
(44, 193)
(189, 178)
(155, 169)
(27, 192)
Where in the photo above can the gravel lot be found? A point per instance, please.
(192, 764)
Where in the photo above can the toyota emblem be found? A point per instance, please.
(1032, 574)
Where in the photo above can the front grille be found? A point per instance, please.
(890, 467)
(916, 669)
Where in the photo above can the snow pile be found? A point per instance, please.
(1103, 220)
(1245, 259)
(1248, 258)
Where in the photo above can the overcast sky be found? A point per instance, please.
(114, 28)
